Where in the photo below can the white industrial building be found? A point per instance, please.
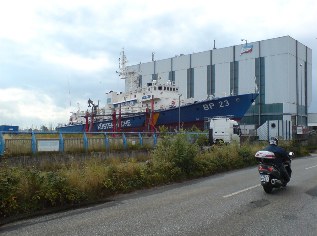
(280, 69)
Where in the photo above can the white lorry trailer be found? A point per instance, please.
(224, 130)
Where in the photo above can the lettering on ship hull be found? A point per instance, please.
(109, 125)
(210, 106)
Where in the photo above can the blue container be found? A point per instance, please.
(10, 128)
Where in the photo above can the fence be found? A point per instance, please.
(26, 143)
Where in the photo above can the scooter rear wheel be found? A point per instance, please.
(268, 188)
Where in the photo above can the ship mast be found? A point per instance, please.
(124, 73)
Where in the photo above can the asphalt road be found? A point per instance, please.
(232, 203)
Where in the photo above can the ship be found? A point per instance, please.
(157, 104)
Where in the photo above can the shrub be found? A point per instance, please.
(9, 180)
(224, 157)
(178, 152)
(124, 177)
(294, 146)
(202, 140)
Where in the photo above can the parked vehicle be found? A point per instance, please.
(270, 174)
(223, 130)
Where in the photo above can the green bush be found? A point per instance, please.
(178, 152)
(224, 157)
(296, 147)
(9, 179)
(124, 177)
(202, 140)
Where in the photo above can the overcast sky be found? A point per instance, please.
(55, 54)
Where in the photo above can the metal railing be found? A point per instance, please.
(16, 143)
(30, 143)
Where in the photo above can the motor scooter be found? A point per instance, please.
(270, 174)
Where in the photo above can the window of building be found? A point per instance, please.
(210, 79)
(234, 77)
(190, 83)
